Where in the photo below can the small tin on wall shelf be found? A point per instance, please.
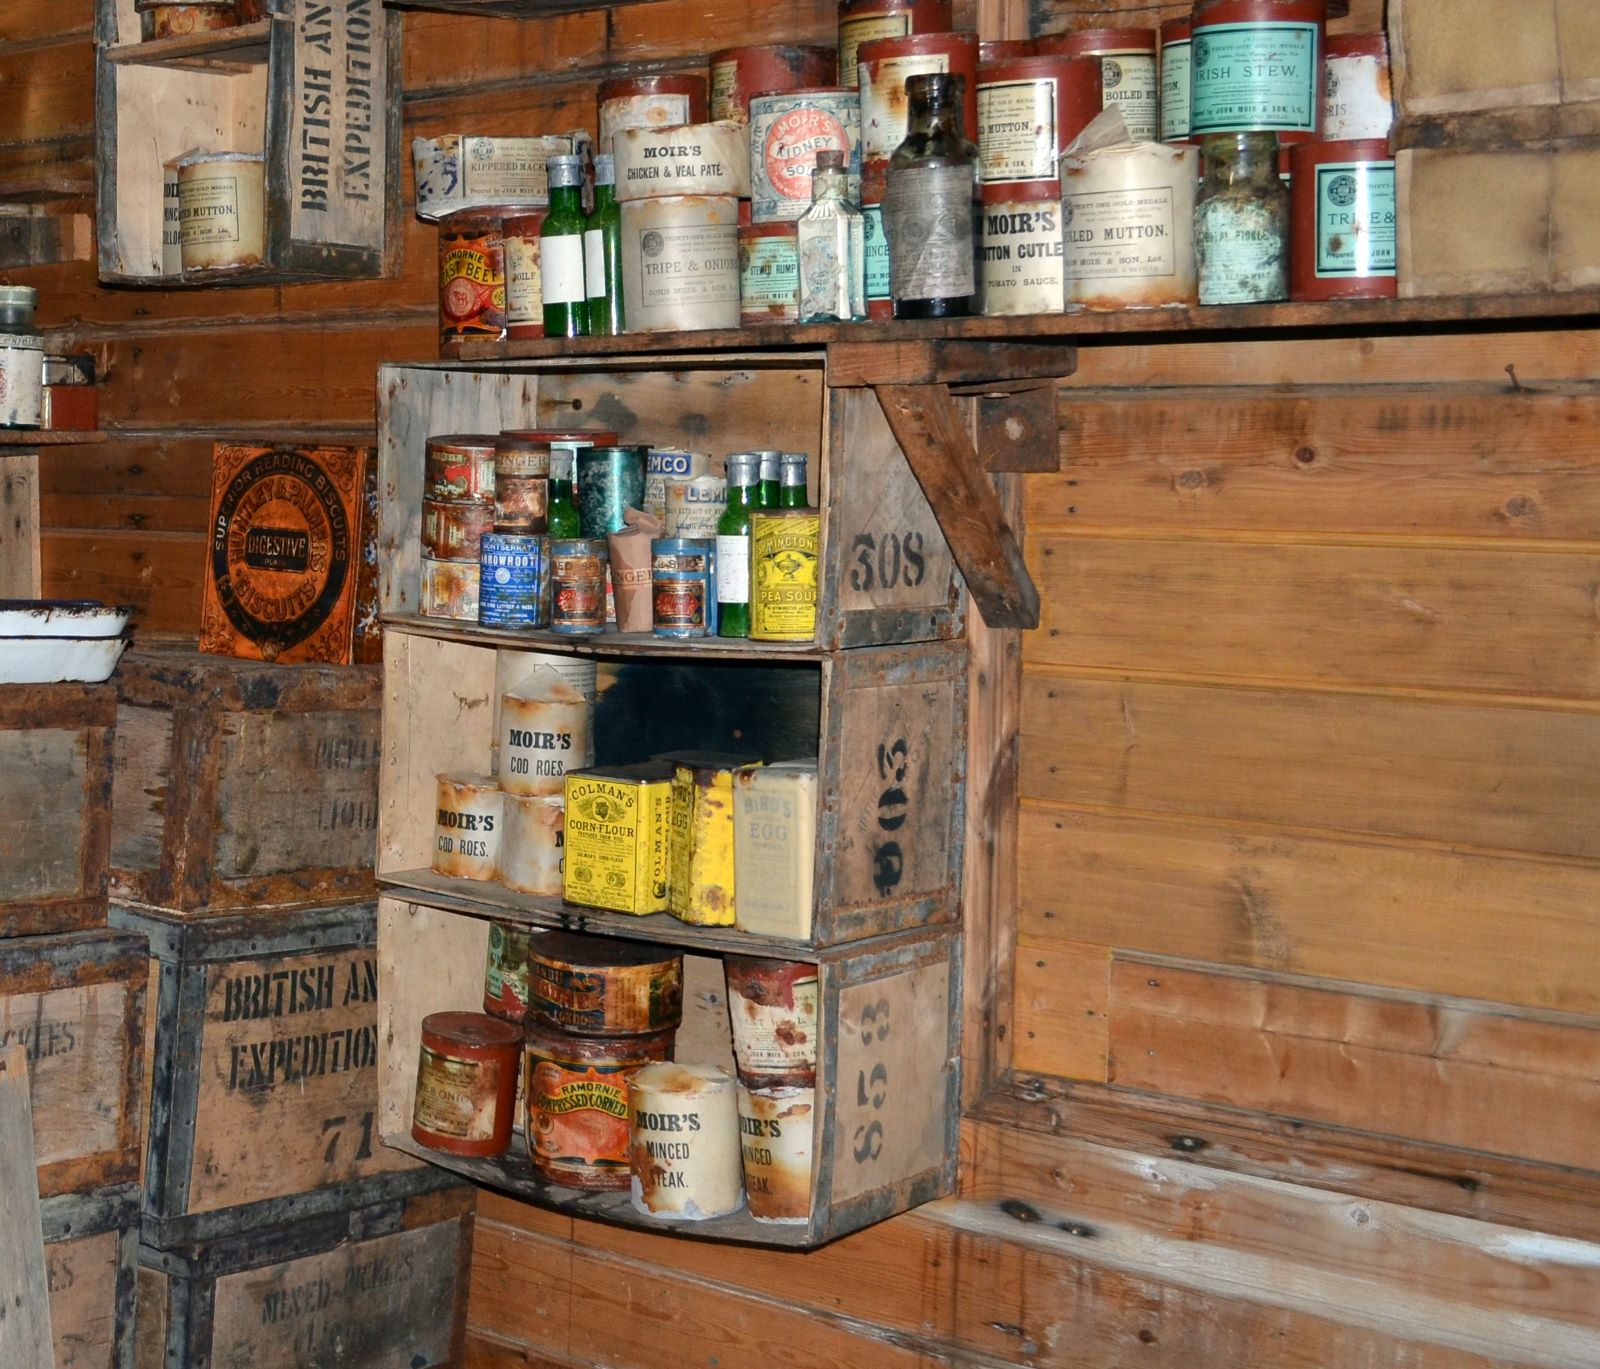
(307, 99)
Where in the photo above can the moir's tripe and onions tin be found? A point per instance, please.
(466, 1083)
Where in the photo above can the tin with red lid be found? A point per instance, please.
(1342, 221)
(1176, 54)
(1029, 110)
(1256, 66)
(1127, 71)
(1358, 97)
(1005, 49)
(860, 21)
(739, 73)
(466, 1083)
(884, 65)
(669, 100)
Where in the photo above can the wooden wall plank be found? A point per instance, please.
(1443, 1071)
(447, 51)
(47, 91)
(1490, 619)
(1060, 1013)
(159, 574)
(1473, 774)
(1511, 930)
(1450, 463)
(25, 21)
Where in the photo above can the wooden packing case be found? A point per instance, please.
(367, 1288)
(241, 784)
(264, 1071)
(91, 1254)
(55, 784)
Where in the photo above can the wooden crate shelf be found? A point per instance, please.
(235, 49)
(32, 438)
(607, 644)
(509, 9)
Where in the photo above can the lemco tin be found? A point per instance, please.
(597, 986)
(784, 548)
(684, 586)
(514, 580)
(460, 466)
(669, 463)
(578, 585)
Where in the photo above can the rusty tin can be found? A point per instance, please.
(769, 273)
(860, 21)
(777, 1134)
(1128, 76)
(466, 830)
(683, 587)
(532, 849)
(1005, 49)
(1029, 110)
(524, 274)
(578, 585)
(449, 589)
(610, 482)
(787, 130)
(472, 276)
(466, 1083)
(739, 73)
(683, 1142)
(1257, 66)
(702, 836)
(222, 221)
(545, 731)
(521, 481)
(453, 529)
(597, 986)
(505, 972)
(460, 467)
(1342, 221)
(162, 19)
(1128, 218)
(577, 1096)
(883, 66)
(784, 551)
(773, 1005)
(1358, 99)
(664, 101)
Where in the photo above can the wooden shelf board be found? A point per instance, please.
(485, 898)
(220, 279)
(235, 49)
(1222, 320)
(509, 9)
(44, 189)
(606, 643)
(513, 1173)
(33, 438)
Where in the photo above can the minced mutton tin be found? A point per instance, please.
(595, 986)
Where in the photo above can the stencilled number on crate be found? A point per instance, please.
(334, 1127)
(872, 1084)
(888, 859)
(887, 561)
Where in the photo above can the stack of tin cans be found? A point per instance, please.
(514, 560)
(457, 509)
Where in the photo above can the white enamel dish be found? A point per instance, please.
(59, 660)
(61, 618)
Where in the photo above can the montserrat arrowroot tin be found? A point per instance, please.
(683, 1142)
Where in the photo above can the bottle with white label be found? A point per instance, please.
(733, 546)
(566, 300)
(602, 252)
(930, 211)
(21, 358)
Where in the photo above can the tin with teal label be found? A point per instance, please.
(1344, 221)
(1256, 66)
(875, 255)
(513, 580)
(610, 481)
(683, 577)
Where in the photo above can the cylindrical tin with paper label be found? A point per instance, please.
(777, 1134)
(466, 831)
(221, 210)
(466, 1083)
(773, 1005)
(739, 73)
(680, 263)
(683, 1141)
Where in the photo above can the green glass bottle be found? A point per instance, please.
(566, 308)
(767, 489)
(602, 252)
(792, 491)
(563, 511)
(733, 546)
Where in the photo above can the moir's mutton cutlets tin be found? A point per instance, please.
(617, 837)
(596, 986)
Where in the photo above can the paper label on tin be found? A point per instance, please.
(456, 1097)
(1355, 99)
(210, 210)
(774, 1038)
(854, 32)
(561, 263)
(689, 264)
(875, 251)
(1023, 259)
(884, 107)
(783, 572)
(1017, 130)
(1241, 252)
(641, 111)
(1355, 220)
(21, 380)
(1175, 90)
(524, 281)
(1121, 234)
(1128, 80)
(784, 141)
(929, 219)
(1254, 76)
(733, 569)
(724, 75)
(171, 227)
(769, 277)
(507, 170)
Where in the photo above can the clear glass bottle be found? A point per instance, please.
(767, 477)
(733, 546)
(792, 484)
(602, 252)
(562, 511)
(566, 304)
(21, 359)
(831, 244)
(931, 210)
(1241, 221)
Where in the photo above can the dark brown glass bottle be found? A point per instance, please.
(930, 210)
